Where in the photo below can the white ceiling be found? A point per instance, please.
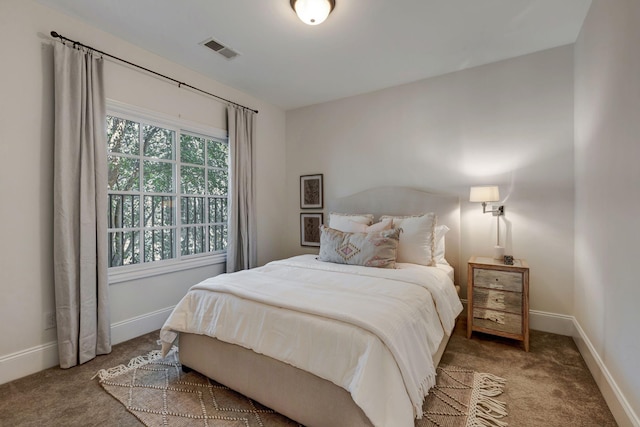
(364, 45)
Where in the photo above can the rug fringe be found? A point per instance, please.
(136, 362)
(485, 410)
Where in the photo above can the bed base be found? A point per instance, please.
(297, 394)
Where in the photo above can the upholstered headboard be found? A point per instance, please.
(408, 201)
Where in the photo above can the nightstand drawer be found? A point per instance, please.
(497, 321)
(497, 300)
(506, 280)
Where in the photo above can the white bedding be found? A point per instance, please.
(371, 331)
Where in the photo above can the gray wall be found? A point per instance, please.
(607, 179)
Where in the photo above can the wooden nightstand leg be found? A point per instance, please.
(469, 300)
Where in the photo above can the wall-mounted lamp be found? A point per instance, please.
(490, 194)
(313, 12)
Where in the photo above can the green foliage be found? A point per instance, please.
(218, 209)
(123, 248)
(158, 211)
(218, 154)
(123, 136)
(193, 240)
(218, 182)
(158, 245)
(158, 177)
(124, 174)
(192, 149)
(192, 180)
(158, 142)
(124, 211)
(192, 209)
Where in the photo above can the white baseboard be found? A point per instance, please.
(26, 362)
(35, 359)
(618, 404)
(139, 325)
(560, 324)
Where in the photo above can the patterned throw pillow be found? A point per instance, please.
(376, 249)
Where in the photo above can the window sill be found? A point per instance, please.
(128, 273)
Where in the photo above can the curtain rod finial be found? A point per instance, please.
(54, 34)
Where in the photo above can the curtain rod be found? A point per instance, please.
(180, 84)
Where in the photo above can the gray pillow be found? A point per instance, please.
(376, 249)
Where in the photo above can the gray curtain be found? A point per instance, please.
(241, 247)
(80, 207)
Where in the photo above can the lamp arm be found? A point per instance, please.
(496, 212)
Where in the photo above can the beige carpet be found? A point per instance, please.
(158, 393)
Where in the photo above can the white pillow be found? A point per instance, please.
(339, 221)
(417, 240)
(441, 230)
(356, 227)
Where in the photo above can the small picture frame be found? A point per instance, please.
(508, 260)
(310, 229)
(311, 191)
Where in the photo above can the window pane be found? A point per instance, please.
(193, 240)
(158, 177)
(143, 192)
(217, 238)
(218, 182)
(217, 209)
(192, 180)
(191, 149)
(158, 211)
(123, 136)
(158, 142)
(158, 245)
(124, 211)
(218, 154)
(124, 174)
(124, 248)
(192, 209)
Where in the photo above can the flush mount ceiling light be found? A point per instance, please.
(313, 12)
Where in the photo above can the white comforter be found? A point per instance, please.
(371, 331)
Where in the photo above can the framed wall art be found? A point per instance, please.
(311, 191)
(310, 229)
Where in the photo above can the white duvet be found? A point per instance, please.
(371, 331)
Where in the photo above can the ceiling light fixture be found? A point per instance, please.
(313, 12)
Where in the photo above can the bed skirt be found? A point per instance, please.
(297, 394)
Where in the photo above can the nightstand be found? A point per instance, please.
(498, 298)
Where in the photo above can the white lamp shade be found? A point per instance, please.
(312, 12)
(489, 193)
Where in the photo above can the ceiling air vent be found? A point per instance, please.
(220, 48)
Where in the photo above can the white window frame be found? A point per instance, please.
(180, 262)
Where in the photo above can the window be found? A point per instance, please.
(167, 190)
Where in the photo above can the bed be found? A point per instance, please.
(288, 335)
